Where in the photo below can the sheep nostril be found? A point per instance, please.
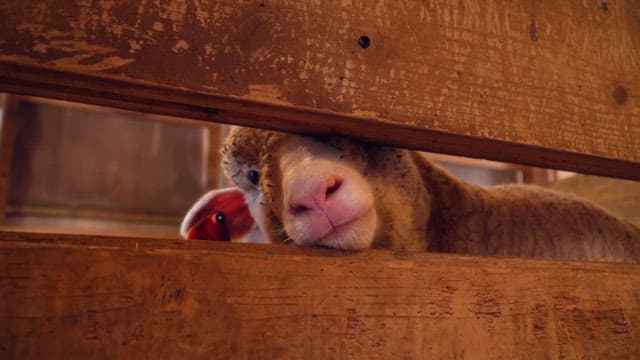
(310, 202)
(298, 209)
(333, 187)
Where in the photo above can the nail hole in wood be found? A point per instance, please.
(533, 32)
(620, 94)
(364, 41)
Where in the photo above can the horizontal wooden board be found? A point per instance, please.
(546, 83)
(8, 132)
(81, 296)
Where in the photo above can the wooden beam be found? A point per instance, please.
(537, 176)
(540, 83)
(213, 156)
(10, 124)
(81, 296)
(46, 178)
(94, 108)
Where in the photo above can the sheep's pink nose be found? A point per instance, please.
(315, 198)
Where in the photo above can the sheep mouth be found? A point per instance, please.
(355, 234)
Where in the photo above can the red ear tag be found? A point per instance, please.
(220, 215)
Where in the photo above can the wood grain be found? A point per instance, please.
(65, 161)
(541, 83)
(116, 111)
(10, 124)
(79, 296)
(213, 157)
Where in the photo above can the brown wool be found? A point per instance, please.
(421, 207)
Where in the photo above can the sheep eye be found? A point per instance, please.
(253, 176)
(221, 219)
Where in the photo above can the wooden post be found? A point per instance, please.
(213, 156)
(10, 123)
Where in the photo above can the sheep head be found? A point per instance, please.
(328, 191)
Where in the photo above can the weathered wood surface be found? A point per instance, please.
(80, 296)
(88, 160)
(9, 129)
(214, 157)
(545, 83)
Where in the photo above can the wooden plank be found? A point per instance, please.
(90, 226)
(10, 123)
(538, 176)
(81, 296)
(213, 157)
(51, 150)
(102, 109)
(542, 83)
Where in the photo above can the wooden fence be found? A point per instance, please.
(544, 83)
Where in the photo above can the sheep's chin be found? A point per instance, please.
(357, 234)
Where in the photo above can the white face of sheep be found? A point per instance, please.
(301, 189)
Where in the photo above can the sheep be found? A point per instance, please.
(341, 193)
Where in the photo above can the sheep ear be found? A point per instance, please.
(218, 215)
